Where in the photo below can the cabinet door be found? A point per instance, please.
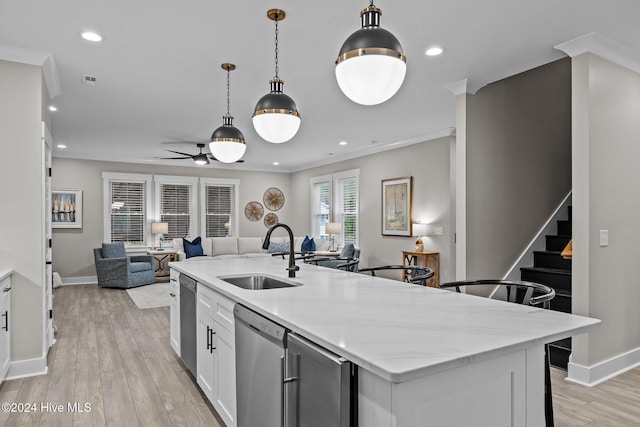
(226, 366)
(174, 316)
(206, 363)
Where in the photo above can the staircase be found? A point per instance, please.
(549, 268)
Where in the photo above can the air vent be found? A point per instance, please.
(89, 80)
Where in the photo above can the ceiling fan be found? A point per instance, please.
(200, 158)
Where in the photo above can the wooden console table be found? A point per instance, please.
(427, 259)
(163, 258)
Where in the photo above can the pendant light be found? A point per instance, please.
(227, 142)
(276, 117)
(371, 65)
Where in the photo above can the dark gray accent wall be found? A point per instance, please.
(518, 163)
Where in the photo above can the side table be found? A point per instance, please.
(163, 258)
(426, 259)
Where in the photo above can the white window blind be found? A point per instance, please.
(128, 211)
(347, 208)
(219, 208)
(175, 209)
(321, 206)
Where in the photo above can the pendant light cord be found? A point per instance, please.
(276, 46)
(228, 92)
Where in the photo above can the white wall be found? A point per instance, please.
(73, 248)
(21, 232)
(606, 149)
(428, 163)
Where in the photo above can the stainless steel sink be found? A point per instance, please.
(258, 282)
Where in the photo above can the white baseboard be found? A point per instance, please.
(27, 368)
(80, 280)
(601, 372)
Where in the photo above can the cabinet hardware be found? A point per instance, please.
(172, 294)
(208, 337)
(5, 290)
(6, 320)
(211, 334)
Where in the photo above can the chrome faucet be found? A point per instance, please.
(292, 261)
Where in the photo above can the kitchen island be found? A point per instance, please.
(425, 355)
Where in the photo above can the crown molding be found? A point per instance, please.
(465, 86)
(604, 47)
(33, 57)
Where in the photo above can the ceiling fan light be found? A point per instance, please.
(371, 65)
(201, 160)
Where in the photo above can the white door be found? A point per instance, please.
(205, 355)
(226, 386)
(47, 142)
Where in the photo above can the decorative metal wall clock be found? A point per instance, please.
(253, 211)
(273, 199)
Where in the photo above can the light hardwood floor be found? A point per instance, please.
(117, 358)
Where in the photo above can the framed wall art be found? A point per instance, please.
(66, 208)
(397, 206)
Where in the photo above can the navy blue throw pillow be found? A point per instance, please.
(194, 248)
(308, 245)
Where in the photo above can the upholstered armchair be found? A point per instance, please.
(117, 270)
(348, 259)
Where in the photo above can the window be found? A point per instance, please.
(126, 206)
(334, 198)
(320, 204)
(219, 207)
(176, 205)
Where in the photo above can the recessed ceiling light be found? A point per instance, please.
(276, 163)
(52, 108)
(434, 51)
(91, 36)
(61, 146)
(342, 143)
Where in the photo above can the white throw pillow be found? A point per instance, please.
(249, 245)
(224, 246)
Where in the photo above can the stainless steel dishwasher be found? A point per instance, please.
(285, 380)
(188, 322)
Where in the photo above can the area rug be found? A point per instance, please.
(151, 296)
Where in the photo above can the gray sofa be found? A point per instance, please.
(117, 270)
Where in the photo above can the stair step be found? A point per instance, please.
(564, 227)
(556, 242)
(565, 343)
(560, 280)
(550, 259)
(561, 302)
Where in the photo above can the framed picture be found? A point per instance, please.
(396, 206)
(66, 208)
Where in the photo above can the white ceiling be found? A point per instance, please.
(159, 78)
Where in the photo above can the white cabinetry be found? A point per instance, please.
(216, 364)
(5, 323)
(174, 311)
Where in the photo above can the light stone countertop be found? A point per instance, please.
(396, 330)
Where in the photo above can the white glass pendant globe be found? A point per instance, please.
(227, 151)
(276, 127)
(370, 79)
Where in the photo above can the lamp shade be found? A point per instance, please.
(227, 142)
(332, 228)
(159, 228)
(276, 117)
(371, 65)
(419, 229)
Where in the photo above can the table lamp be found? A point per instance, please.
(160, 228)
(332, 228)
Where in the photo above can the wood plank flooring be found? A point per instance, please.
(117, 358)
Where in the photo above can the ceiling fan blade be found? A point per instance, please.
(173, 158)
(184, 154)
(213, 158)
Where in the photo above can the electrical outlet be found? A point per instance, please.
(604, 237)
